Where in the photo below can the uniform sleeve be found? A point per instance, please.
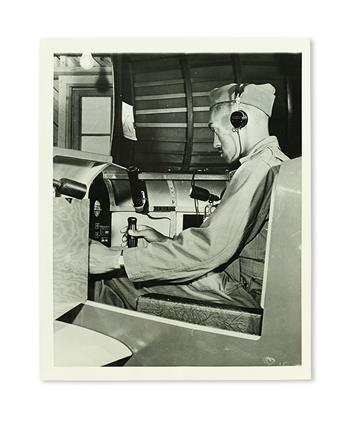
(197, 251)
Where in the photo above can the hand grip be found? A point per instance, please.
(138, 196)
(132, 241)
(70, 188)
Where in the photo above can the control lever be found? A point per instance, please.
(132, 241)
(137, 192)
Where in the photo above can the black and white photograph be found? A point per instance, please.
(176, 191)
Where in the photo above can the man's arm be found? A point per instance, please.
(196, 251)
(102, 259)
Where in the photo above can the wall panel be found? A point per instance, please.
(171, 121)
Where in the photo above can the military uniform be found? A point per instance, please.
(221, 261)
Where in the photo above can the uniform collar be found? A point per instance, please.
(266, 142)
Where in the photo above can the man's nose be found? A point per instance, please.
(216, 142)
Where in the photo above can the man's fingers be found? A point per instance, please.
(141, 232)
(142, 227)
(139, 228)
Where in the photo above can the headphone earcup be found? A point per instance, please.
(239, 119)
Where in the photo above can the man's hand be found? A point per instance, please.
(101, 258)
(144, 232)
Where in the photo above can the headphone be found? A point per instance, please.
(239, 118)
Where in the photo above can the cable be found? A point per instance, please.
(240, 142)
(239, 139)
(196, 206)
(157, 218)
(196, 202)
(193, 177)
(205, 211)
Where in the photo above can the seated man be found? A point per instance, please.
(222, 261)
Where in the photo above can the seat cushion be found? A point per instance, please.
(238, 319)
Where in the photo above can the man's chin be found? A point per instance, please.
(230, 160)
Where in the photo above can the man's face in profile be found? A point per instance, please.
(226, 141)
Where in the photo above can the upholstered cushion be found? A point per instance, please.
(215, 315)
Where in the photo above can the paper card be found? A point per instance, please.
(128, 122)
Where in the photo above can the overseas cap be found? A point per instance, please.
(260, 96)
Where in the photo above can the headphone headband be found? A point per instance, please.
(239, 89)
(239, 118)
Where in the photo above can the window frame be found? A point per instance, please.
(76, 110)
(68, 85)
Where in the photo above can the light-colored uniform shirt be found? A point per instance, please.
(231, 241)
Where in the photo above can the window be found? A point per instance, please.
(91, 122)
(85, 108)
